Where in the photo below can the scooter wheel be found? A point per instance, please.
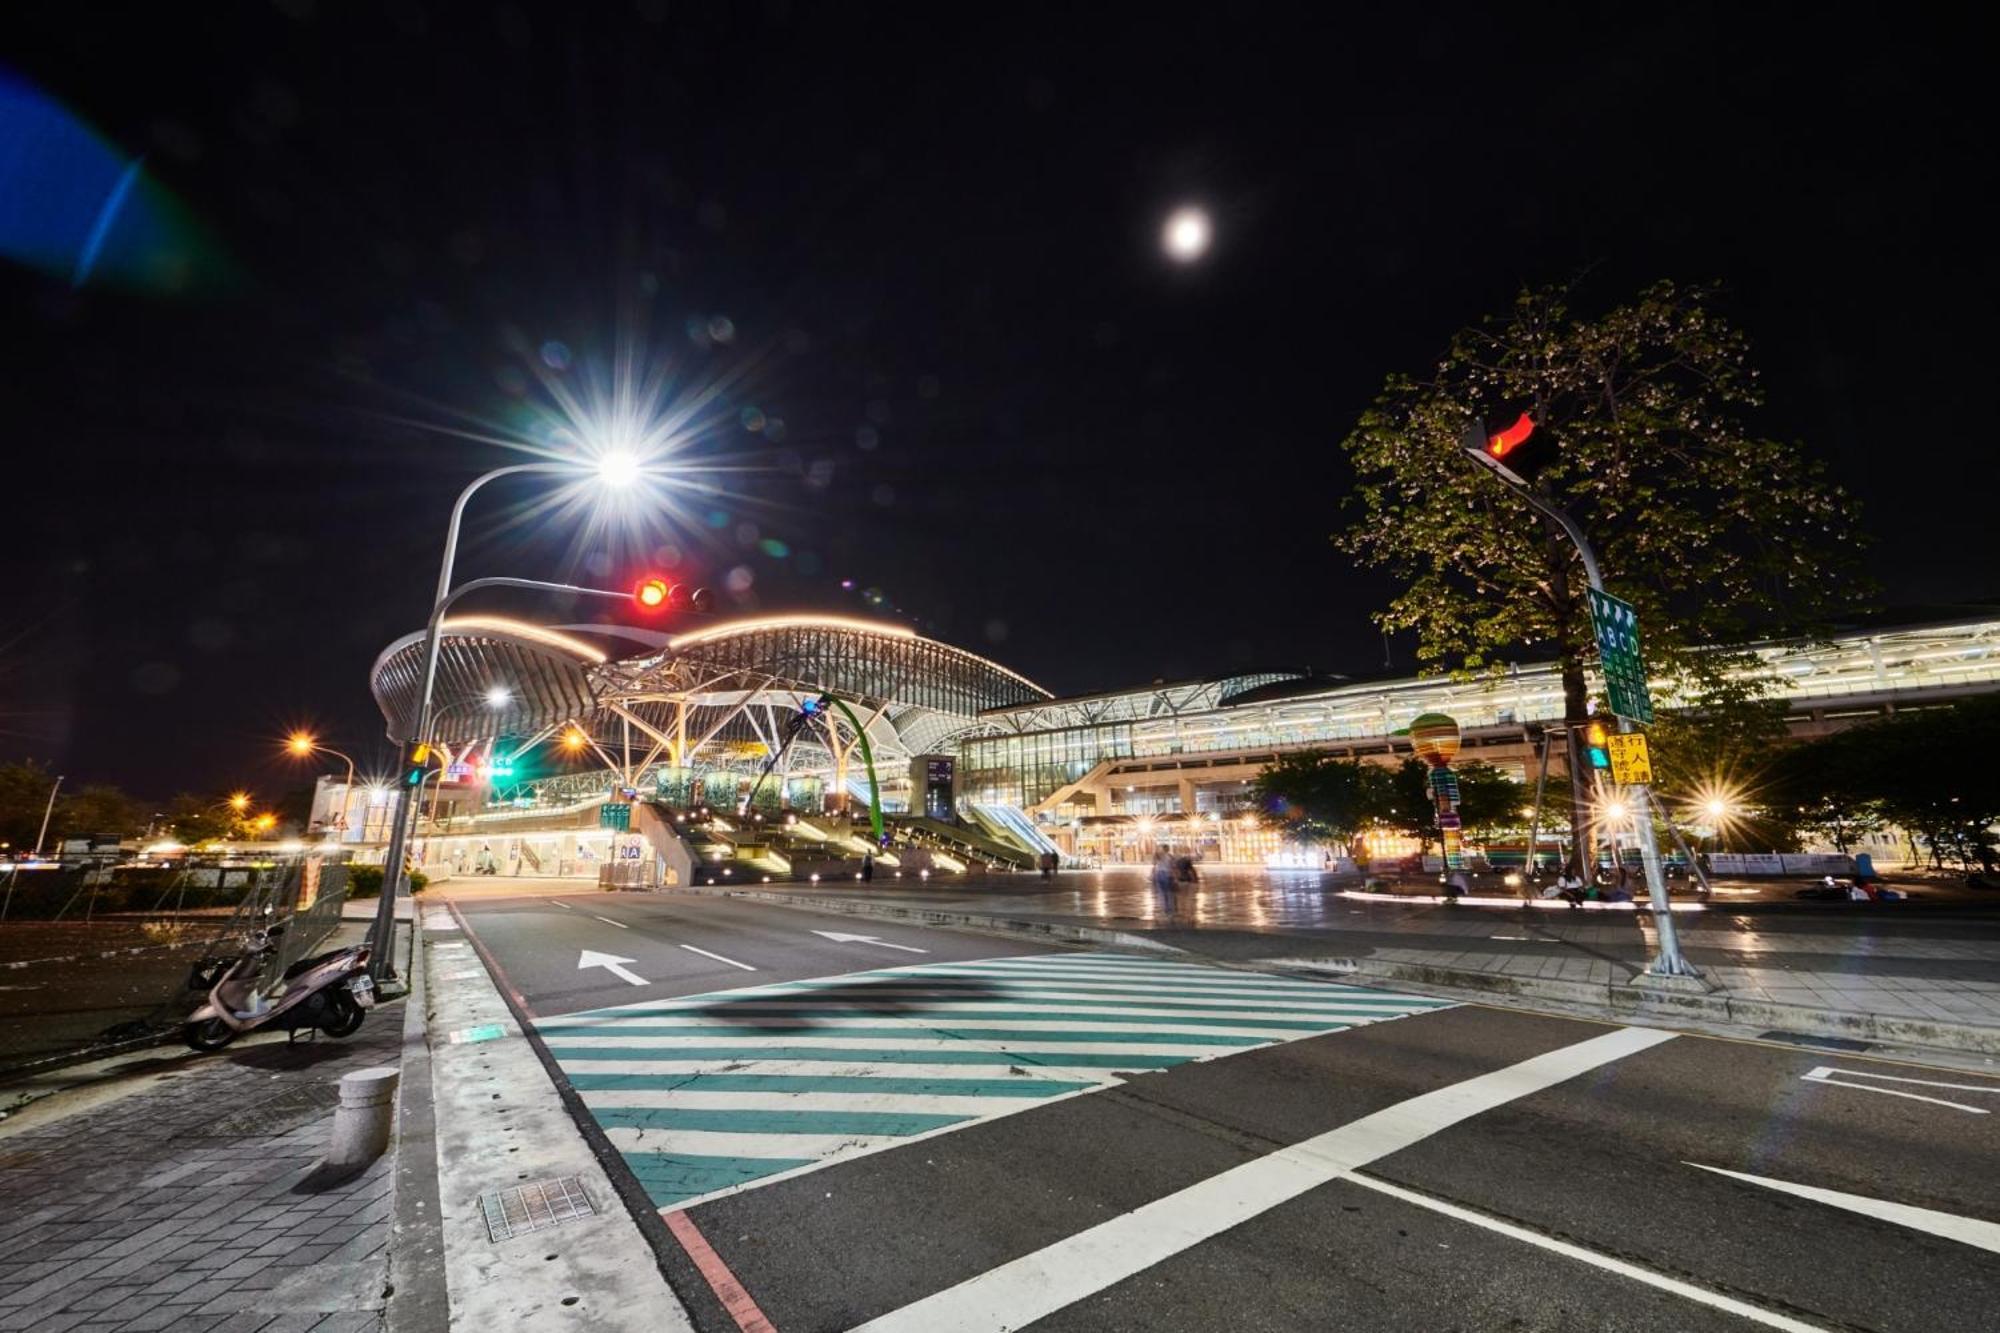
(343, 1015)
(210, 1034)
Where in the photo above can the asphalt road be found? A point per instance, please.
(1220, 1150)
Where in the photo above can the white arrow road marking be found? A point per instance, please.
(611, 963)
(839, 938)
(1969, 1230)
(1825, 1074)
(718, 958)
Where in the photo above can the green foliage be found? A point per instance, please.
(24, 794)
(1488, 800)
(1711, 530)
(198, 819)
(98, 809)
(1923, 771)
(1317, 798)
(366, 881)
(1720, 741)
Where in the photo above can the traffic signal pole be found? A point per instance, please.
(408, 795)
(1668, 961)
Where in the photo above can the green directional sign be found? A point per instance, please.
(1617, 628)
(615, 815)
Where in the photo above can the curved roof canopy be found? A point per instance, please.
(918, 690)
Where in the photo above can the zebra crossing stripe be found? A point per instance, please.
(710, 1094)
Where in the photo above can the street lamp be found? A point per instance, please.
(302, 745)
(1487, 451)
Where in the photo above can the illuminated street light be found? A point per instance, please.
(619, 468)
(499, 696)
(240, 802)
(303, 745)
(1186, 235)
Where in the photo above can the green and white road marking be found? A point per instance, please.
(711, 1093)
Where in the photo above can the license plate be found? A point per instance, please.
(363, 990)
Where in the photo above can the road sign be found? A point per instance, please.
(1617, 627)
(1630, 760)
(614, 815)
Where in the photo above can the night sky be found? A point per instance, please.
(928, 246)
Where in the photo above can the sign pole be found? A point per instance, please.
(1668, 962)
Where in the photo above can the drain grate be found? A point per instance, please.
(530, 1207)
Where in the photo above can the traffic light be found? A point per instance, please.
(1597, 745)
(657, 594)
(1489, 450)
(1503, 443)
(416, 764)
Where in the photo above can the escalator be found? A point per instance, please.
(1009, 825)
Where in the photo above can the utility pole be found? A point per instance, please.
(1669, 962)
(47, 811)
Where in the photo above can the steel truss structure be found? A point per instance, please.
(714, 700)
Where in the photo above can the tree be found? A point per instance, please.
(98, 809)
(1318, 798)
(1488, 800)
(1711, 530)
(24, 795)
(198, 819)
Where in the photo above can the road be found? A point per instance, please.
(987, 1136)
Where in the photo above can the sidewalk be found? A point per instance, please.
(172, 1191)
(1928, 979)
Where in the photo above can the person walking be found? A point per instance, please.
(867, 866)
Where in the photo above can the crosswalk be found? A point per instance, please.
(712, 1093)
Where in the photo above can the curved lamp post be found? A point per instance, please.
(302, 744)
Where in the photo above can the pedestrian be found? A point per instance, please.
(1163, 880)
(867, 866)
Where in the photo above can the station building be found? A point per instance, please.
(541, 725)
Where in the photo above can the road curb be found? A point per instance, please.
(1646, 1001)
(417, 1298)
(502, 1123)
(931, 916)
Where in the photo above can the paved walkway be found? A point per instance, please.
(1876, 959)
(189, 1204)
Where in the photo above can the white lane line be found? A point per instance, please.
(1967, 1230)
(833, 1064)
(918, 1040)
(711, 1143)
(953, 1010)
(1716, 1300)
(608, 921)
(718, 958)
(1026, 1289)
(685, 1024)
(1338, 1011)
(1824, 1074)
(570, 906)
(1824, 1070)
(902, 1103)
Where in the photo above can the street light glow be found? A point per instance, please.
(1187, 234)
(240, 802)
(618, 467)
(499, 696)
(300, 744)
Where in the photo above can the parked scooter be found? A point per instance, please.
(331, 993)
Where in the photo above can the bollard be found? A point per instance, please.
(361, 1125)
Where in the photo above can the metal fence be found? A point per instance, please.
(94, 957)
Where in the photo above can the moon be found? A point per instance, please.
(1187, 234)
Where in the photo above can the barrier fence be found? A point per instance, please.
(97, 957)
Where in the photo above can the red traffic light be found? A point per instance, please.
(652, 594)
(1501, 443)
